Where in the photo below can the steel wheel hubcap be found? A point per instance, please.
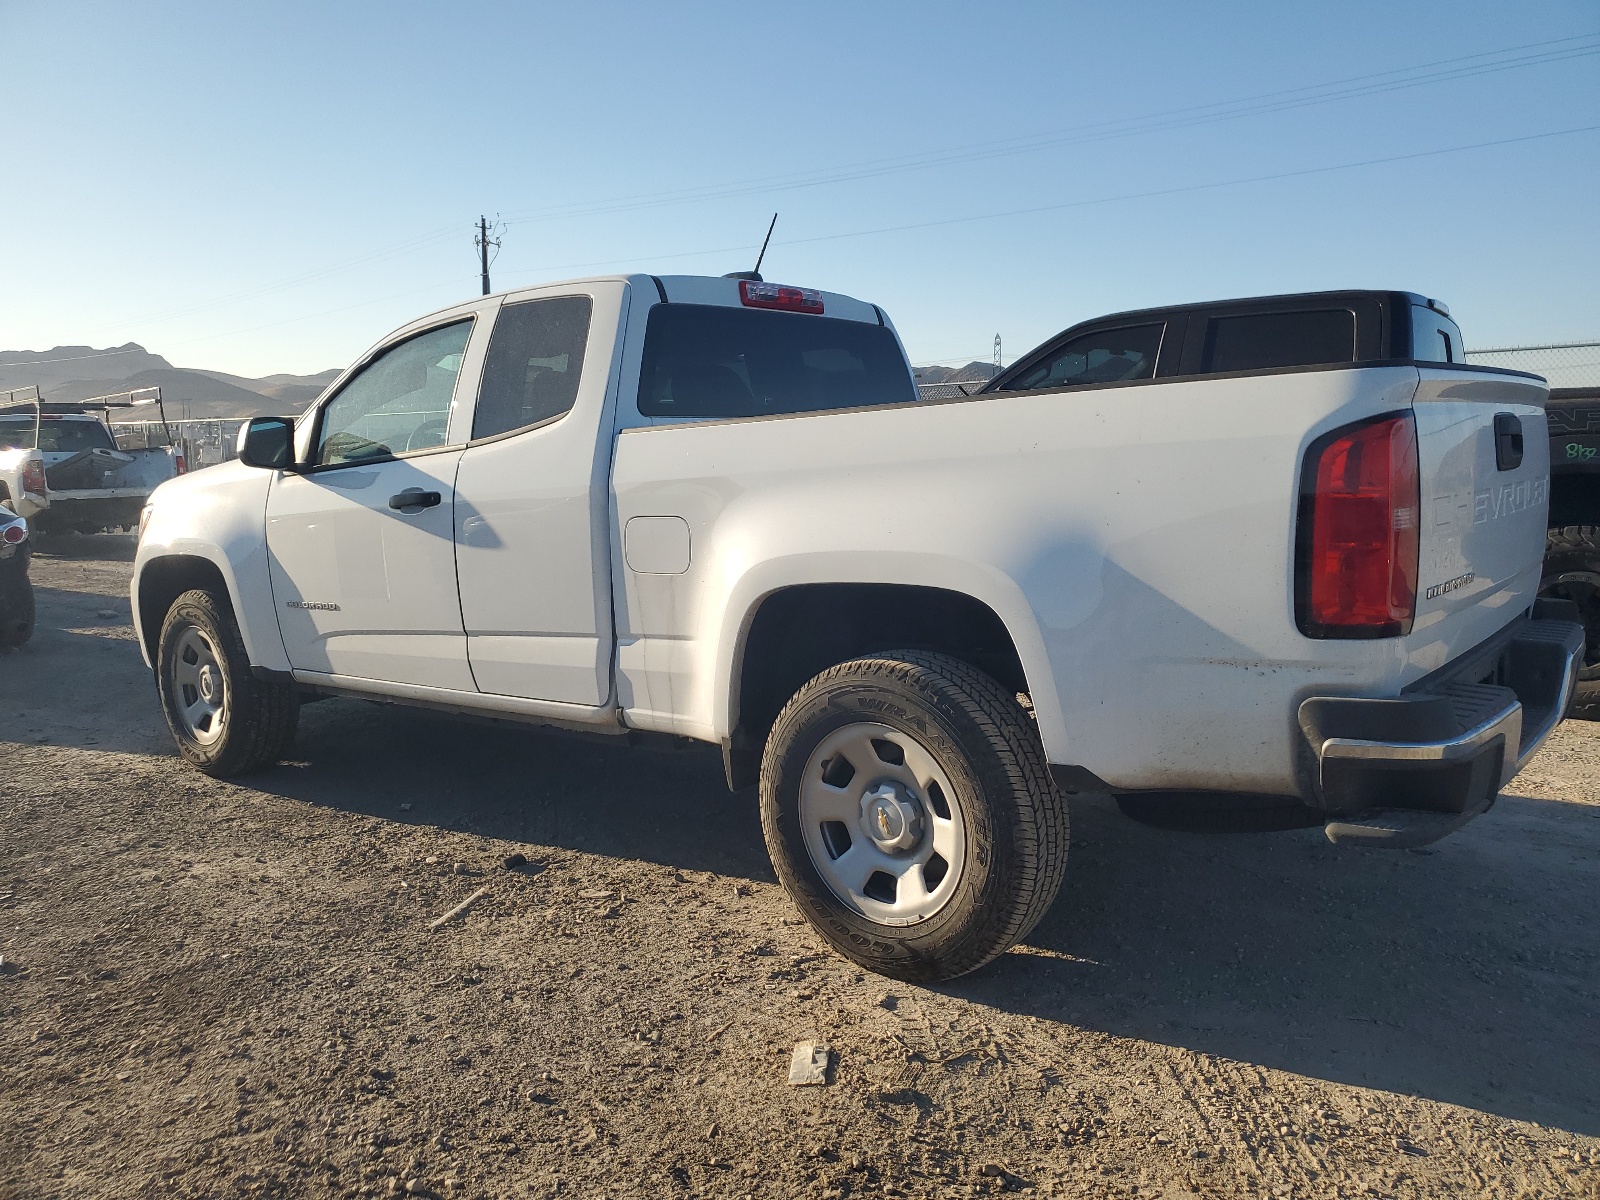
(199, 693)
(882, 824)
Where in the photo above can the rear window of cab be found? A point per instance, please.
(56, 436)
(703, 360)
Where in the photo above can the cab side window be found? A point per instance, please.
(534, 362)
(400, 401)
(1104, 356)
(1434, 336)
(1262, 341)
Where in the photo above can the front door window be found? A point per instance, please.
(399, 402)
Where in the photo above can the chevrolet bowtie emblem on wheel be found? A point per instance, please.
(320, 605)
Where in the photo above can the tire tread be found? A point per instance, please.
(1040, 830)
(262, 715)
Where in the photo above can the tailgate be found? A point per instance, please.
(1483, 513)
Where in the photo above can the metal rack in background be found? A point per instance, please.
(204, 442)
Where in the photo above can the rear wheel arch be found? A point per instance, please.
(793, 633)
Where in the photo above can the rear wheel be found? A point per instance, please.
(909, 812)
(224, 720)
(1572, 572)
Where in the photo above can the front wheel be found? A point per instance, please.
(224, 720)
(910, 813)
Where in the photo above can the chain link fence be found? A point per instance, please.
(1564, 364)
(204, 443)
(947, 391)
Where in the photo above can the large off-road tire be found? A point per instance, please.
(16, 606)
(1572, 572)
(910, 813)
(225, 720)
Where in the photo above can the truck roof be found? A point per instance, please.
(1384, 323)
(723, 290)
(1339, 296)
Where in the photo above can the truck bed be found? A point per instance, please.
(1146, 532)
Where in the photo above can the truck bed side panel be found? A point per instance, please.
(1137, 541)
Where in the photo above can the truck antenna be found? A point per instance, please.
(764, 241)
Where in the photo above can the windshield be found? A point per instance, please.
(706, 361)
(55, 436)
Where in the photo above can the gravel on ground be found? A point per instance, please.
(244, 989)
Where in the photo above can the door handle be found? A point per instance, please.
(1507, 441)
(414, 500)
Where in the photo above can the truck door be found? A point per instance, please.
(533, 499)
(362, 558)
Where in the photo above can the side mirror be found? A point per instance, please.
(267, 442)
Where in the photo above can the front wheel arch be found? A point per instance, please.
(163, 580)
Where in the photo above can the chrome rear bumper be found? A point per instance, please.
(1406, 771)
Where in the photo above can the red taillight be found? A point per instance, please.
(1358, 532)
(14, 533)
(33, 477)
(180, 463)
(779, 295)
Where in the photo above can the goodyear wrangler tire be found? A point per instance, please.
(1572, 572)
(910, 813)
(225, 721)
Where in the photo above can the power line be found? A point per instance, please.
(438, 235)
(637, 259)
(1014, 212)
(1462, 66)
(34, 362)
(1264, 103)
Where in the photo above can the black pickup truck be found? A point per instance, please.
(1572, 554)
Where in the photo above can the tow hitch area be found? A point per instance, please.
(1396, 774)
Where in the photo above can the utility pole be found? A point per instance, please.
(996, 349)
(483, 241)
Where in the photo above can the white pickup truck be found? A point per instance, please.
(61, 467)
(1285, 547)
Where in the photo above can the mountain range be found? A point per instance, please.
(70, 373)
(973, 372)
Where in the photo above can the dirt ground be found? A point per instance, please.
(231, 989)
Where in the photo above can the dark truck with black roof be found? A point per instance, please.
(1572, 548)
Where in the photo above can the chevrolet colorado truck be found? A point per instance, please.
(1284, 547)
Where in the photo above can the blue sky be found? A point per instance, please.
(272, 187)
